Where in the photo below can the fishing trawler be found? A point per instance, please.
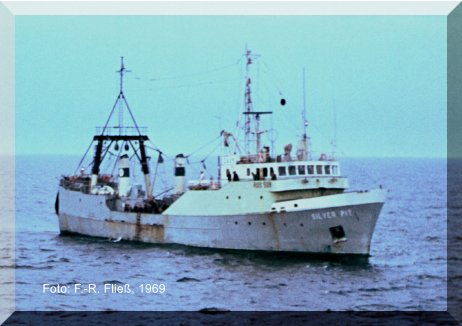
(260, 201)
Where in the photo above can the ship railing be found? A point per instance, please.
(82, 183)
(75, 185)
(203, 185)
(268, 158)
(311, 156)
(121, 131)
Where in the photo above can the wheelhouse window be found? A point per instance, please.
(334, 169)
(310, 169)
(282, 171)
(301, 169)
(265, 172)
(327, 169)
(318, 169)
(292, 170)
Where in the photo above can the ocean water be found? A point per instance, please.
(7, 254)
(407, 269)
(455, 238)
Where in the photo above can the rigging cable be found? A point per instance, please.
(187, 85)
(203, 161)
(203, 146)
(163, 192)
(197, 73)
(106, 151)
(83, 157)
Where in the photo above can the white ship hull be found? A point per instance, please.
(301, 225)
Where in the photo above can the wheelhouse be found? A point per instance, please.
(292, 168)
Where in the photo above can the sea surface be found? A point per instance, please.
(407, 269)
(7, 253)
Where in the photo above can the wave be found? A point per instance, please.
(32, 267)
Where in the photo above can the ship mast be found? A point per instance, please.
(305, 123)
(334, 142)
(303, 144)
(249, 108)
(247, 101)
(122, 72)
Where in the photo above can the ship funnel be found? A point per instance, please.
(179, 174)
(124, 175)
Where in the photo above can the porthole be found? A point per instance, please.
(250, 223)
(301, 225)
(235, 223)
(295, 205)
(239, 197)
(264, 223)
(285, 224)
(227, 197)
(261, 197)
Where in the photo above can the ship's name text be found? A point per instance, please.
(264, 184)
(229, 160)
(332, 214)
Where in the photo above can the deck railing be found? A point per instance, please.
(81, 183)
(268, 158)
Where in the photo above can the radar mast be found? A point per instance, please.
(249, 108)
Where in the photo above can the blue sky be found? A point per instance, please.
(383, 76)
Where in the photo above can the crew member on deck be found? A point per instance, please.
(155, 207)
(235, 176)
(147, 208)
(164, 207)
(273, 176)
(127, 208)
(228, 174)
